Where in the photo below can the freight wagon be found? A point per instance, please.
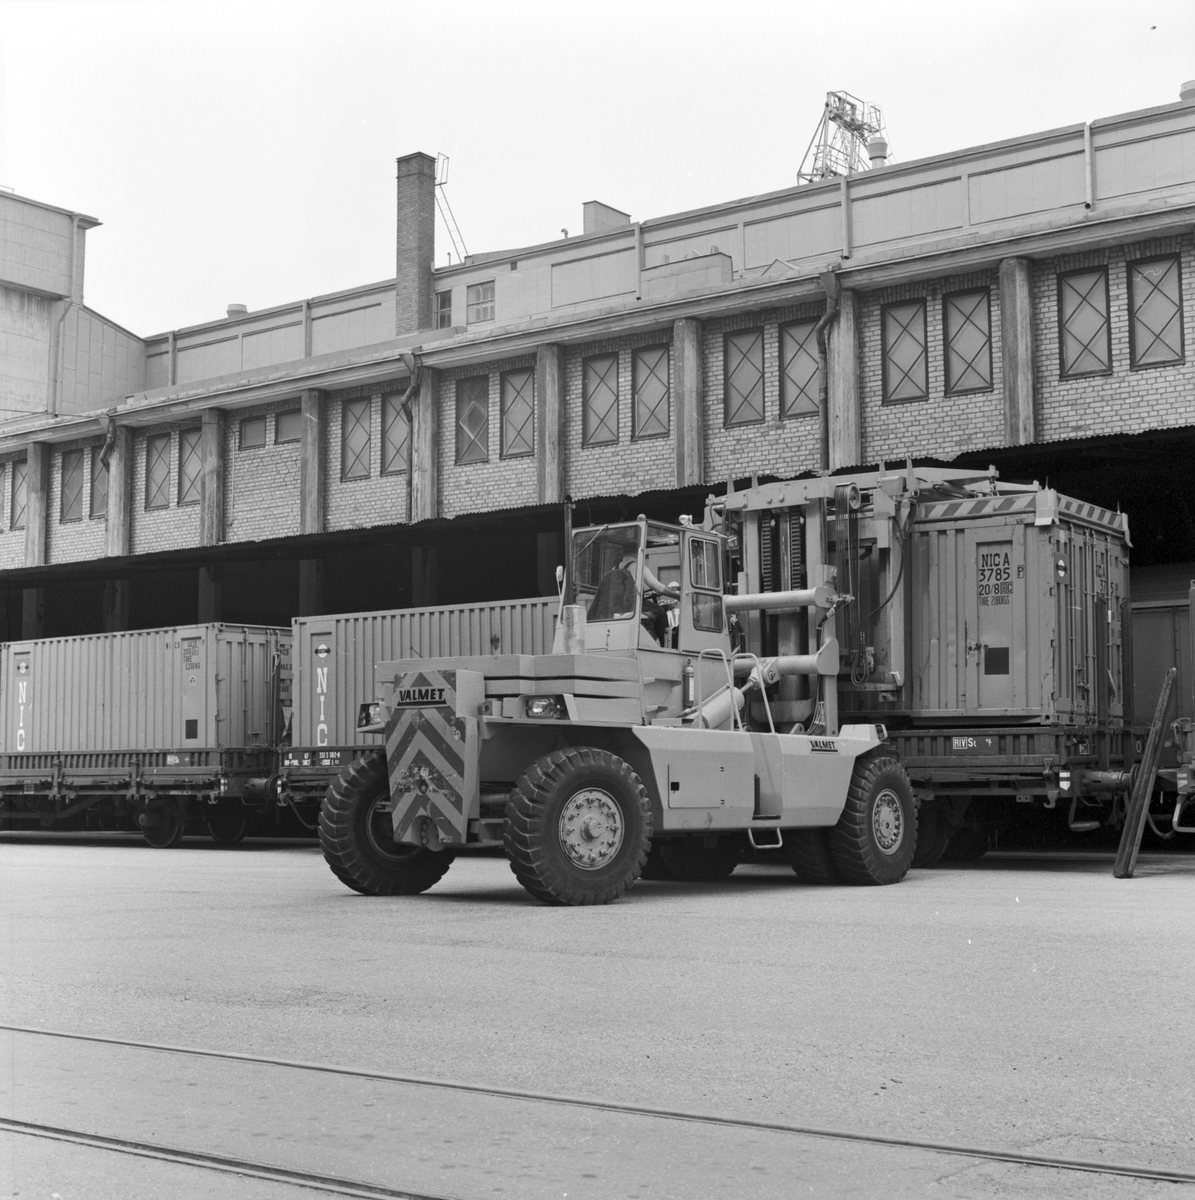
(334, 668)
(162, 726)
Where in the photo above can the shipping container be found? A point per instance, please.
(1015, 606)
(130, 718)
(334, 658)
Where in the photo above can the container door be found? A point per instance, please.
(194, 686)
(990, 648)
(21, 701)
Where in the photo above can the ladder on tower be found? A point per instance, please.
(445, 209)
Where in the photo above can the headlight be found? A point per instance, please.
(542, 708)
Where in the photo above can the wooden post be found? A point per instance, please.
(311, 453)
(846, 448)
(689, 402)
(1147, 773)
(425, 448)
(549, 424)
(120, 488)
(1016, 350)
(211, 478)
(37, 495)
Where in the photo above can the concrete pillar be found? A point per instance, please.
(311, 587)
(549, 424)
(120, 488)
(210, 596)
(117, 605)
(33, 613)
(423, 576)
(37, 498)
(1016, 340)
(845, 392)
(211, 478)
(425, 449)
(688, 395)
(416, 243)
(311, 458)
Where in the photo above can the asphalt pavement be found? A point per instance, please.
(1030, 1003)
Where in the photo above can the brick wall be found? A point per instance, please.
(773, 446)
(1128, 400)
(357, 503)
(73, 541)
(170, 528)
(627, 465)
(12, 541)
(940, 425)
(498, 482)
(261, 486)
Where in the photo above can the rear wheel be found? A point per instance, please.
(228, 823)
(357, 836)
(162, 825)
(655, 867)
(578, 827)
(808, 853)
(687, 859)
(876, 835)
(934, 832)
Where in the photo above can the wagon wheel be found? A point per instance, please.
(163, 823)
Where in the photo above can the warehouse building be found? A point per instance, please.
(1026, 303)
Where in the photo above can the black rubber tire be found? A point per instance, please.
(687, 859)
(879, 795)
(968, 844)
(358, 841)
(162, 825)
(532, 830)
(228, 824)
(934, 832)
(808, 853)
(656, 868)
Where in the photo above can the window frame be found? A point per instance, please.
(503, 450)
(472, 305)
(288, 441)
(98, 471)
(1134, 365)
(727, 337)
(886, 398)
(392, 411)
(636, 435)
(946, 298)
(587, 438)
(20, 479)
(197, 482)
(1063, 373)
(244, 424)
(461, 451)
(157, 439)
(442, 309)
(364, 403)
(63, 518)
(786, 414)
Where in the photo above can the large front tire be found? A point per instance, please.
(876, 835)
(357, 836)
(578, 827)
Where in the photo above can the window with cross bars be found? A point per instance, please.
(479, 302)
(71, 508)
(354, 439)
(967, 321)
(473, 419)
(190, 458)
(649, 378)
(743, 377)
(518, 413)
(600, 424)
(798, 369)
(396, 436)
(1084, 336)
(157, 471)
(1156, 304)
(99, 483)
(904, 359)
(20, 473)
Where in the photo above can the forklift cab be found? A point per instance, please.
(649, 586)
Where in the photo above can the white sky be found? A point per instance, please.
(245, 152)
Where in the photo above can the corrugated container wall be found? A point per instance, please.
(335, 655)
(1016, 620)
(1161, 640)
(195, 686)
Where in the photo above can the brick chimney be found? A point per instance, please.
(416, 243)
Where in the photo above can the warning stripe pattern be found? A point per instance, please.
(426, 763)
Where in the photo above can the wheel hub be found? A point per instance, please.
(591, 829)
(888, 821)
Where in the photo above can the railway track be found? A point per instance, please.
(336, 1185)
